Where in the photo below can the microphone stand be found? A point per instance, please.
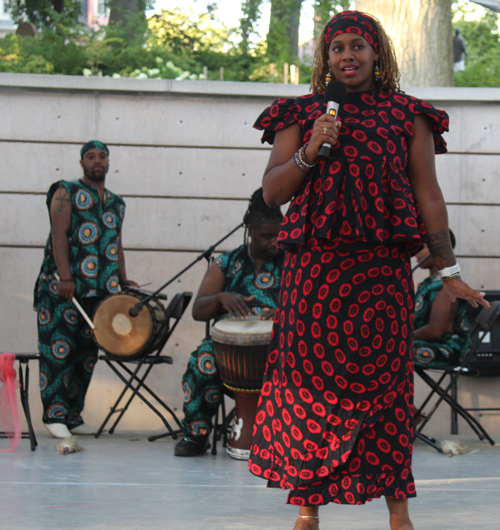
(135, 310)
(420, 263)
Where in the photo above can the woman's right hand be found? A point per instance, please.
(325, 129)
(235, 304)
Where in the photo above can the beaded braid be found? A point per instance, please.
(259, 212)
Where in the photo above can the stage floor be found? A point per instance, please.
(122, 481)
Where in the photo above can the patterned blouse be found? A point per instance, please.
(361, 192)
(93, 242)
(238, 269)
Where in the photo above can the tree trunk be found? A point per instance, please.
(283, 35)
(119, 9)
(128, 15)
(422, 34)
(58, 5)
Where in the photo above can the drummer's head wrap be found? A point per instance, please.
(352, 22)
(93, 144)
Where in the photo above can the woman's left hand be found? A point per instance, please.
(457, 288)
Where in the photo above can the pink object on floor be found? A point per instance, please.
(10, 421)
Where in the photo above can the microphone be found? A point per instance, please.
(136, 309)
(335, 96)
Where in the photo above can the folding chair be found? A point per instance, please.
(24, 381)
(482, 325)
(134, 379)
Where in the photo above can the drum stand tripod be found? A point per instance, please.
(135, 382)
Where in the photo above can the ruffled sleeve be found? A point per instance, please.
(281, 114)
(438, 120)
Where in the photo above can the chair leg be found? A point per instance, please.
(454, 413)
(445, 396)
(140, 384)
(114, 409)
(428, 440)
(216, 429)
(24, 392)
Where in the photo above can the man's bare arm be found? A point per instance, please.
(60, 220)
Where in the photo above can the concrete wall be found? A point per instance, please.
(185, 157)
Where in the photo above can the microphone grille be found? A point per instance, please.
(335, 91)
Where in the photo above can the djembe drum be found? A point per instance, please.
(240, 351)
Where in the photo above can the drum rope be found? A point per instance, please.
(243, 390)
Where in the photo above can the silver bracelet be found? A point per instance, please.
(449, 272)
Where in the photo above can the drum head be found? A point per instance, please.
(243, 332)
(116, 331)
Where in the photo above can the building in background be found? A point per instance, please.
(94, 13)
(6, 23)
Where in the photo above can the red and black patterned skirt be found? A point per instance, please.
(334, 423)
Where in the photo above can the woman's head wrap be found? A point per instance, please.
(93, 144)
(352, 22)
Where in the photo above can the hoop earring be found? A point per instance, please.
(376, 72)
(328, 77)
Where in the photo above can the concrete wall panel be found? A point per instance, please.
(469, 178)
(159, 120)
(182, 224)
(37, 116)
(476, 230)
(158, 171)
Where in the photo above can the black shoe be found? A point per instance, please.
(187, 447)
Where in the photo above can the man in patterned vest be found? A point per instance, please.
(83, 259)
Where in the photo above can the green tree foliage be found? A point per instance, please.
(251, 14)
(483, 49)
(198, 40)
(57, 50)
(325, 9)
(173, 44)
(43, 13)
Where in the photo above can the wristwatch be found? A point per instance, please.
(449, 272)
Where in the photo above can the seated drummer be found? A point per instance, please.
(441, 326)
(240, 282)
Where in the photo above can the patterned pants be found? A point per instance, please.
(202, 392)
(67, 358)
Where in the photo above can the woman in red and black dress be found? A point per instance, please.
(335, 418)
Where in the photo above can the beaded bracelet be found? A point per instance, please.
(299, 165)
(301, 161)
